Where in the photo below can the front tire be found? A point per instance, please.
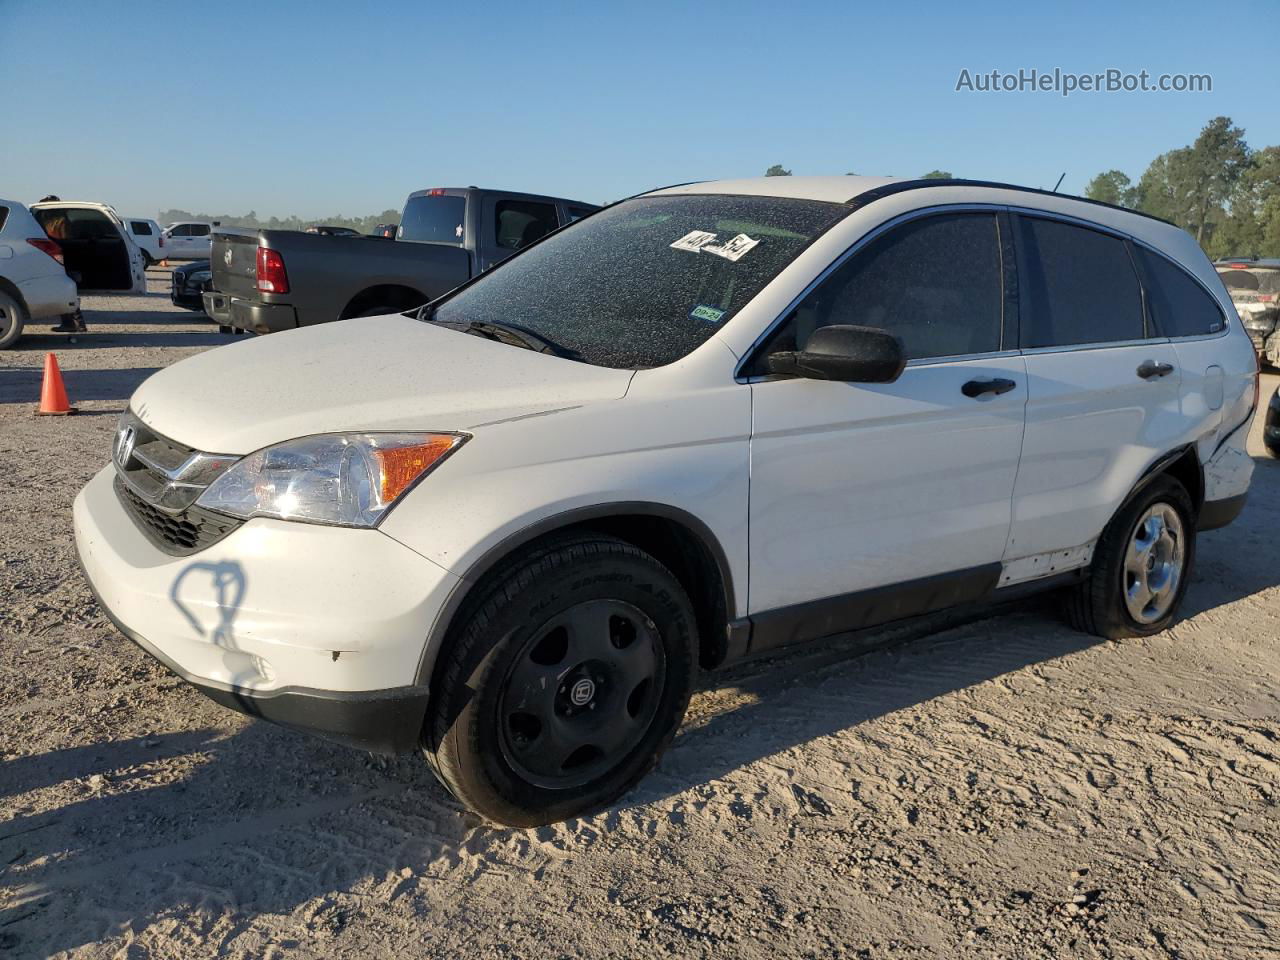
(1141, 566)
(564, 683)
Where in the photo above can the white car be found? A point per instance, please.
(33, 280)
(695, 426)
(188, 240)
(148, 236)
(99, 252)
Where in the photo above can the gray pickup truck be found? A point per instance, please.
(269, 280)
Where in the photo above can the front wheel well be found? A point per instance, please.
(693, 557)
(393, 296)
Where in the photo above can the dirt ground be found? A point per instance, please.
(1002, 787)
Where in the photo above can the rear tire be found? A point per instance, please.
(563, 683)
(1141, 566)
(12, 319)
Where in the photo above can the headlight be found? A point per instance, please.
(347, 479)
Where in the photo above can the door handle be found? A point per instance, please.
(980, 388)
(1150, 370)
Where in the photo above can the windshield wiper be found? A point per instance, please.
(507, 333)
(516, 336)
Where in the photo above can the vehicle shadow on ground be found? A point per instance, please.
(22, 384)
(101, 336)
(265, 818)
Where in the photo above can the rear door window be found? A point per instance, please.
(1076, 286)
(518, 223)
(437, 219)
(199, 230)
(1179, 306)
(577, 213)
(4, 216)
(140, 228)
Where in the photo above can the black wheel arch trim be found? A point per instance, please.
(551, 524)
(1159, 465)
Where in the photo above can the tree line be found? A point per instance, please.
(250, 219)
(1217, 188)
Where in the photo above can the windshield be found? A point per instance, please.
(644, 282)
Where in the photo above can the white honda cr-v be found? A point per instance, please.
(699, 424)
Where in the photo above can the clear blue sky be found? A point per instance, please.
(319, 108)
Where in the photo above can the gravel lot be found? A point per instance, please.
(1002, 787)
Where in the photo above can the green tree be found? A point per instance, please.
(1253, 225)
(777, 171)
(1192, 185)
(937, 175)
(1112, 187)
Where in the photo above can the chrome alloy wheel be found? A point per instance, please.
(1154, 563)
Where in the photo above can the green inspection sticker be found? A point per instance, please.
(709, 314)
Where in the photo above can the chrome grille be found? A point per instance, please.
(158, 480)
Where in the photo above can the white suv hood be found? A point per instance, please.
(376, 373)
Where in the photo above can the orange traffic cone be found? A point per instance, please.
(53, 395)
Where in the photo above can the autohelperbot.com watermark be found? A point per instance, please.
(1065, 82)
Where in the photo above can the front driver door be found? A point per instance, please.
(871, 502)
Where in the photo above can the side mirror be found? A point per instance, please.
(844, 352)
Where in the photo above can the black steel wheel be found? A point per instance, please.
(581, 693)
(562, 682)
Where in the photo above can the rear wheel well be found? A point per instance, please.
(390, 295)
(1187, 471)
(12, 290)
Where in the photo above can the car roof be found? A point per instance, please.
(80, 204)
(859, 191)
(829, 189)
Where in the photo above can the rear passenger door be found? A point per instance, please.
(509, 224)
(1103, 395)
(861, 491)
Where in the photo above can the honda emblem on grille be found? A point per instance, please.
(226, 256)
(124, 446)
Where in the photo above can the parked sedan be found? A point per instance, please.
(324, 230)
(189, 282)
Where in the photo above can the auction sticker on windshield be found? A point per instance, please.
(700, 241)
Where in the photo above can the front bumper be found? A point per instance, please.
(249, 314)
(319, 628)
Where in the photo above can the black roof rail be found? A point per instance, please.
(901, 186)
